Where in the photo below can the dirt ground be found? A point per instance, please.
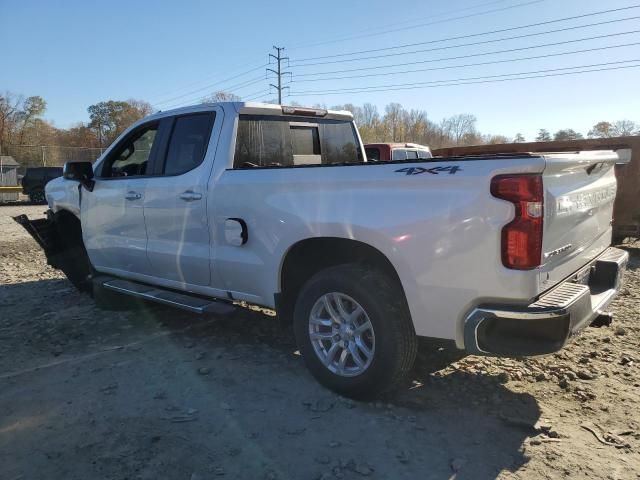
(160, 394)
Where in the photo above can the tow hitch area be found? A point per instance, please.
(604, 319)
(43, 231)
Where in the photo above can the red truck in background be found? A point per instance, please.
(385, 152)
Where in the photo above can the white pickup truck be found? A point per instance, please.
(206, 206)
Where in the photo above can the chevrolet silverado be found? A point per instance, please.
(206, 206)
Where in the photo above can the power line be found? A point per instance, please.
(232, 88)
(459, 57)
(264, 65)
(449, 67)
(255, 95)
(384, 32)
(210, 86)
(463, 81)
(459, 37)
(197, 82)
(484, 42)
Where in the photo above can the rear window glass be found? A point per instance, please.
(272, 141)
(424, 154)
(305, 140)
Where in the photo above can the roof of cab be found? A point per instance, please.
(256, 108)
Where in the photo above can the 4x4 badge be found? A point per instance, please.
(452, 169)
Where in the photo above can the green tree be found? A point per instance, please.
(32, 109)
(519, 138)
(601, 130)
(567, 134)
(109, 119)
(543, 135)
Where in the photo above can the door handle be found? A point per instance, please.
(190, 196)
(133, 195)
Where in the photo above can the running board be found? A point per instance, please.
(184, 301)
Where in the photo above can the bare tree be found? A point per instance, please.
(9, 113)
(623, 128)
(370, 115)
(459, 126)
(221, 97)
(393, 121)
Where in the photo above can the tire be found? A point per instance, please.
(391, 341)
(37, 196)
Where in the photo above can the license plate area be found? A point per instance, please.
(583, 276)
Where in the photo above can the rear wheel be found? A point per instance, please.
(354, 331)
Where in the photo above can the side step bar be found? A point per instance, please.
(185, 301)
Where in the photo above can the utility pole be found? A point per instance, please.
(279, 73)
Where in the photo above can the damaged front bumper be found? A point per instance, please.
(44, 232)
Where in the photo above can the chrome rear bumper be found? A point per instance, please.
(547, 324)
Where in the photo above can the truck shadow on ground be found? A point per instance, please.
(634, 254)
(442, 422)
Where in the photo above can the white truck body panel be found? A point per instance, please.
(441, 231)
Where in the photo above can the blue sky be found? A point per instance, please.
(76, 53)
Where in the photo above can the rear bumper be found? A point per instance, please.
(549, 323)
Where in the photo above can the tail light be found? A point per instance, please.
(522, 237)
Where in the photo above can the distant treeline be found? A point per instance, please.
(31, 139)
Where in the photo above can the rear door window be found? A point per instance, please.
(188, 143)
(262, 143)
(273, 141)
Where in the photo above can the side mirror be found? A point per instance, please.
(80, 172)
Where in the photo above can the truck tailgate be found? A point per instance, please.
(580, 189)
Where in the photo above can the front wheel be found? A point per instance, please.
(354, 330)
(37, 196)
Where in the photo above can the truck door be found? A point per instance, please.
(175, 204)
(112, 214)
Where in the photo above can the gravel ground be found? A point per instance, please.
(159, 394)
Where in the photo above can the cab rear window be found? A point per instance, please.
(272, 141)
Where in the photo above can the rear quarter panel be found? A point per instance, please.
(441, 231)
